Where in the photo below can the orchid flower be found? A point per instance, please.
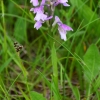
(62, 28)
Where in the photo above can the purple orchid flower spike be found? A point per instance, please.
(34, 2)
(42, 16)
(62, 28)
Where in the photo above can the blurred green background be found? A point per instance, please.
(31, 69)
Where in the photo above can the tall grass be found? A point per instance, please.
(48, 68)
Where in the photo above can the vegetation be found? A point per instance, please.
(38, 65)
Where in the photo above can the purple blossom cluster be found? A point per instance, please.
(42, 16)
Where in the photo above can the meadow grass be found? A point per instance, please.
(48, 68)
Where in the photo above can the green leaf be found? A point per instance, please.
(20, 30)
(92, 61)
(97, 83)
(4, 65)
(54, 63)
(76, 93)
(36, 96)
(55, 71)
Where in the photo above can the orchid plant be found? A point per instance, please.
(42, 16)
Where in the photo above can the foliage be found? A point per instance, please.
(48, 68)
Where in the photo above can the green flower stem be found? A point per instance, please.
(4, 31)
(54, 66)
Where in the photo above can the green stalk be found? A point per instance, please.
(54, 67)
(89, 91)
(54, 64)
(4, 31)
